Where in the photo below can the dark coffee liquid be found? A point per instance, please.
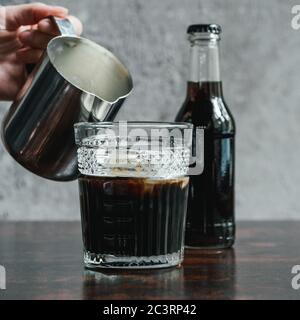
(132, 216)
(210, 215)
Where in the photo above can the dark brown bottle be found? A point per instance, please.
(210, 216)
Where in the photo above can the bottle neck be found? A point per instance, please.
(198, 90)
(205, 67)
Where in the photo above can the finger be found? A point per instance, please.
(8, 42)
(26, 28)
(34, 27)
(28, 55)
(28, 14)
(47, 26)
(6, 36)
(35, 39)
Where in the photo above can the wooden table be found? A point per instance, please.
(43, 260)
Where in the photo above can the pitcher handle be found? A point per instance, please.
(64, 26)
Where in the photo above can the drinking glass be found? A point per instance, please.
(133, 188)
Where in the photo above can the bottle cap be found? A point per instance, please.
(205, 28)
(210, 31)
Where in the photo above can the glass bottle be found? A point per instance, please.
(210, 215)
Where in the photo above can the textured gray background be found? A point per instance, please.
(260, 69)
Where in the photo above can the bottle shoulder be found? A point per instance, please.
(212, 114)
(222, 117)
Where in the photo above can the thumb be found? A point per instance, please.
(30, 14)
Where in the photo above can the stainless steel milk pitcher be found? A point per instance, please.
(76, 80)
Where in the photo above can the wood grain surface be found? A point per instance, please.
(43, 260)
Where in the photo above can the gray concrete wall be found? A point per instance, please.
(260, 68)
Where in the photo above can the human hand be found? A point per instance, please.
(23, 41)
